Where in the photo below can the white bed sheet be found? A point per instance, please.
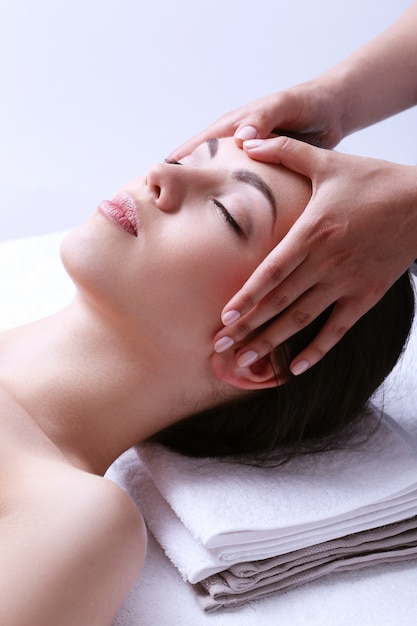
(382, 596)
(33, 283)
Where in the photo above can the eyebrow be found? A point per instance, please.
(213, 146)
(248, 177)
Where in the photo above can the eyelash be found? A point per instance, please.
(172, 162)
(227, 217)
(224, 212)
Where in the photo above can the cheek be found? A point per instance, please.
(209, 282)
(194, 280)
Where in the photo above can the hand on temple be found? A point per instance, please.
(373, 83)
(310, 110)
(357, 235)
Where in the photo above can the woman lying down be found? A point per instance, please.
(131, 358)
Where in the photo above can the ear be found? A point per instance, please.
(262, 374)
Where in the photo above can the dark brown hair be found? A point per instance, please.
(310, 407)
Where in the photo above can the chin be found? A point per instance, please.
(83, 251)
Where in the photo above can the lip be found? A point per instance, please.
(122, 211)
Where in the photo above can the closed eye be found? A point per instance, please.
(172, 162)
(227, 217)
(221, 208)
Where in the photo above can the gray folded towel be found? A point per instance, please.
(245, 582)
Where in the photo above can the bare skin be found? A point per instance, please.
(130, 355)
(359, 207)
(72, 542)
(353, 256)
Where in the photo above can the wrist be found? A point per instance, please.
(337, 85)
(328, 107)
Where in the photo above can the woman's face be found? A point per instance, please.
(166, 255)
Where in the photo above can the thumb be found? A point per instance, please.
(296, 155)
(254, 127)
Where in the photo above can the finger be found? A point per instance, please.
(274, 303)
(265, 115)
(294, 319)
(257, 125)
(295, 155)
(257, 119)
(342, 318)
(288, 255)
(225, 126)
(254, 127)
(190, 145)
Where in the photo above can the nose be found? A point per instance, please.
(167, 184)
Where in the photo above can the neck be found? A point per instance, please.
(93, 393)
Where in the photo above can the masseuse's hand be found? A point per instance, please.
(311, 109)
(357, 235)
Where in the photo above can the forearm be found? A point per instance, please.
(379, 79)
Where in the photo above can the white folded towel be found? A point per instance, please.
(208, 514)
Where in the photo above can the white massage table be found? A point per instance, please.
(32, 284)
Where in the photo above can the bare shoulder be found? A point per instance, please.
(108, 531)
(115, 521)
(109, 507)
(77, 534)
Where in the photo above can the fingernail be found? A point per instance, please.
(253, 143)
(247, 132)
(230, 317)
(247, 358)
(223, 344)
(300, 367)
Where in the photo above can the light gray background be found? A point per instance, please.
(94, 91)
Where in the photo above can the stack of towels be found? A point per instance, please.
(238, 533)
